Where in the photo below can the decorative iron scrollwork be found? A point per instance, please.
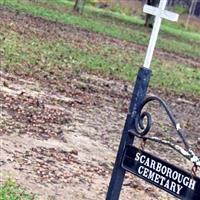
(141, 128)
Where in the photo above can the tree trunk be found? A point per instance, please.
(79, 5)
(149, 19)
(191, 12)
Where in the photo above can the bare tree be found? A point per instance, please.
(191, 12)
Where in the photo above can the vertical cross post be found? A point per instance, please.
(138, 96)
(160, 13)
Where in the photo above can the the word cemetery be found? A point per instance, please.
(179, 183)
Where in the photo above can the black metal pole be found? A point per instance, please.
(138, 96)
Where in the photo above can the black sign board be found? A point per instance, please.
(161, 174)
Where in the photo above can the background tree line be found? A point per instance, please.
(190, 6)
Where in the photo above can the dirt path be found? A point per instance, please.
(59, 137)
(63, 145)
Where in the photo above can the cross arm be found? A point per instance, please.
(161, 13)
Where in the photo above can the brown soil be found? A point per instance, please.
(59, 137)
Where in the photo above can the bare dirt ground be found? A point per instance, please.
(59, 137)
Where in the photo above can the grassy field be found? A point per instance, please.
(22, 52)
(123, 27)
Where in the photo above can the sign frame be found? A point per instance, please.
(132, 164)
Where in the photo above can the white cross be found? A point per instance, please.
(159, 13)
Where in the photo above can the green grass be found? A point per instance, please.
(11, 191)
(112, 24)
(32, 56)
